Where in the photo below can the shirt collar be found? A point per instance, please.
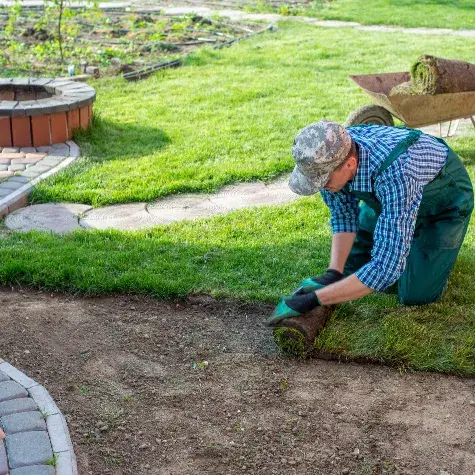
(362, 180)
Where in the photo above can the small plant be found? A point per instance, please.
(285, 10)
(84, 390)
(53, 461)
(56, 12)
(201, 364)
(13, 15)
(44, 414)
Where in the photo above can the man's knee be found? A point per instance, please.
(408, 297)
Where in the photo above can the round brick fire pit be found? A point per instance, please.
(38, 112)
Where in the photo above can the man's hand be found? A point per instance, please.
(318, 282)
(344, 290)
(293, 306)
(304, 298)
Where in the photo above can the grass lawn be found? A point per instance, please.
(229, 115)
(456, 14)
(232, 115)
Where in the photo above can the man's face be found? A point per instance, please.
(342, 175)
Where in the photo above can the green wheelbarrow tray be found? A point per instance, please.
(414, 111)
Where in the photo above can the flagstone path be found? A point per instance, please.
(67, 217)
(239, 15)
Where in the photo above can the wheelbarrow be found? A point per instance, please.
(414, 111)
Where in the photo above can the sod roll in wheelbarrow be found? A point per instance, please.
(296, 336)
(431, 75)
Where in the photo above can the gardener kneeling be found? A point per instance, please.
(416, 197)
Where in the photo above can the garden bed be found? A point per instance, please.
(116, 41)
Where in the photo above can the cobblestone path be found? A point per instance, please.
(34, 437)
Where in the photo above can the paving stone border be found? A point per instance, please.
(23, 168)
(35, 438)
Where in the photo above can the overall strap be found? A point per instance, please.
(411, 138)
(441, 140)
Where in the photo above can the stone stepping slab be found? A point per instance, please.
(23, 168)
(67, 217)
(34, 437)
(60, 218)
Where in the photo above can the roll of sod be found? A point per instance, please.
(403, 89)
(431, 75)
(296, 336)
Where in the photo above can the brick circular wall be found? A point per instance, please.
(38, 112)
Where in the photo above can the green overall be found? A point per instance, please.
(442, 221)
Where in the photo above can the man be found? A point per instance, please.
(416, 202)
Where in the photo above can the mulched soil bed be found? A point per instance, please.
(116, 41)
(195, 387)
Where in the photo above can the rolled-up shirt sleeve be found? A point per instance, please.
(344, 210)
(400, 199)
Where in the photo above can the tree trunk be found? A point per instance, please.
(60, 38)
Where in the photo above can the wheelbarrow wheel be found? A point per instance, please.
(370, 115)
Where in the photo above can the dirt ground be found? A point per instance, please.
(159, 387)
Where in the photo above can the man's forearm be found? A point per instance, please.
(341, 247)
(347, 289)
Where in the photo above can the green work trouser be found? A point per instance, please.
(442, 222)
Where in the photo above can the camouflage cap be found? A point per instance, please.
(318, 150)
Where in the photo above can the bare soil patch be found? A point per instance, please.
(195, 387)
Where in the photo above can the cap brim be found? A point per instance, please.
(306, 186)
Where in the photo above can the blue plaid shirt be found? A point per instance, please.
(399, 189)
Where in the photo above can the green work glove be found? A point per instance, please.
(318, 282)
(293, 306)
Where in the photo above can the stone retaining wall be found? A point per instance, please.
(39, 112)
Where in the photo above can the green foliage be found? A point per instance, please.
(158, 31)
(13, 15)
(40, 42)
(84, 390)
(53, 461)
(57, 13)
(45, 50)
(54, 31)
